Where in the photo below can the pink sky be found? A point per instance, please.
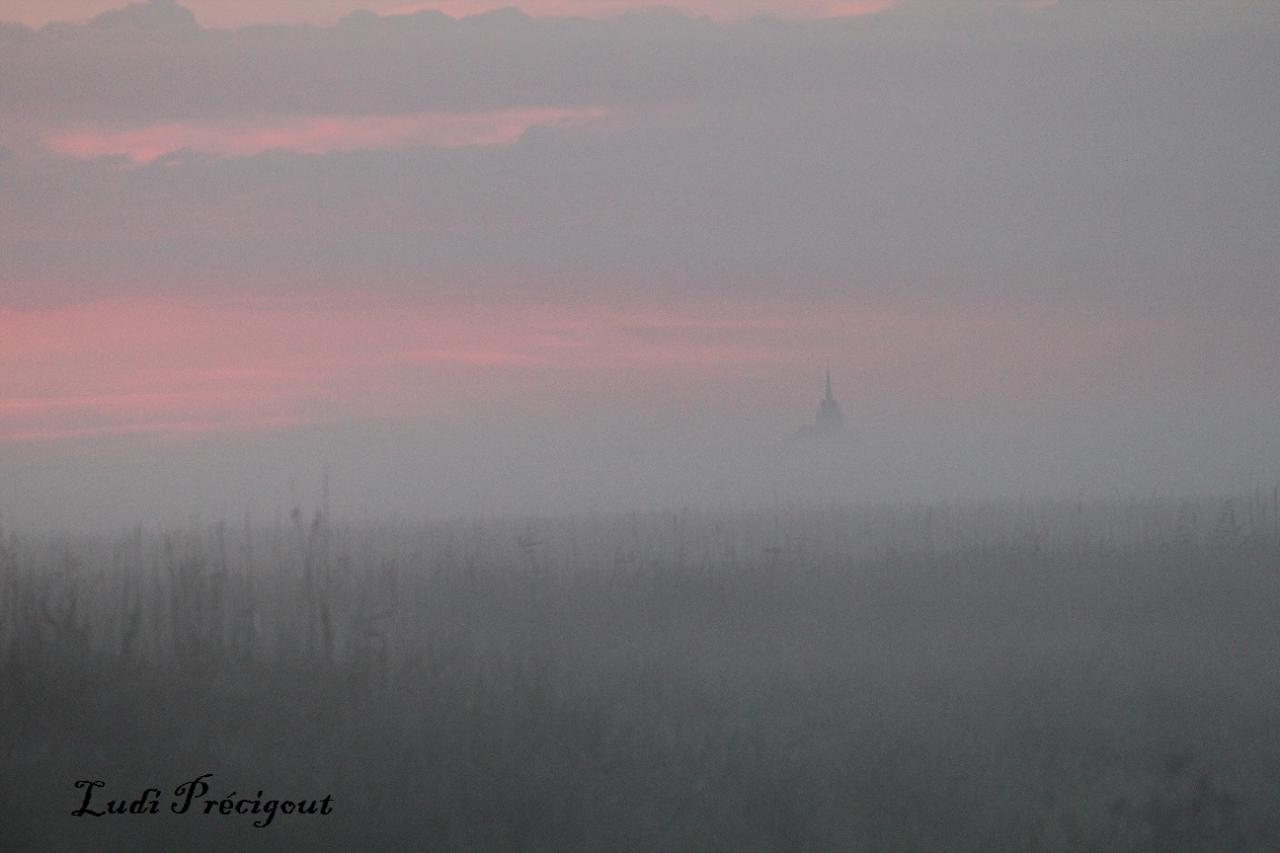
(313, 134)
(233, 13)
(179, 367)
(1061, 216)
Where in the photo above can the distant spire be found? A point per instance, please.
(829, 419)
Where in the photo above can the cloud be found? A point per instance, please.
(152, 16)
(716, 9)
(238, 13)
(315, 134)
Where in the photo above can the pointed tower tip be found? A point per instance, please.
(829, 417)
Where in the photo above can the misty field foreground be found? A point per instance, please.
(1059, 677)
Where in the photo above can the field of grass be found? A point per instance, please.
(1057, 677)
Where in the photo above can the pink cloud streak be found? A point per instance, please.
(315, 134)
(237, 13)
(715, 9)
(175, 369)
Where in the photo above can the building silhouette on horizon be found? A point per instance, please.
(829, 420)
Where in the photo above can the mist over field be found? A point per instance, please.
(452, 470)
(1002, 676)
(745, 425)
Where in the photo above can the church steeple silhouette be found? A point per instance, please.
(830, 418)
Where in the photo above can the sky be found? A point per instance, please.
(585, 253)
(230, 14)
